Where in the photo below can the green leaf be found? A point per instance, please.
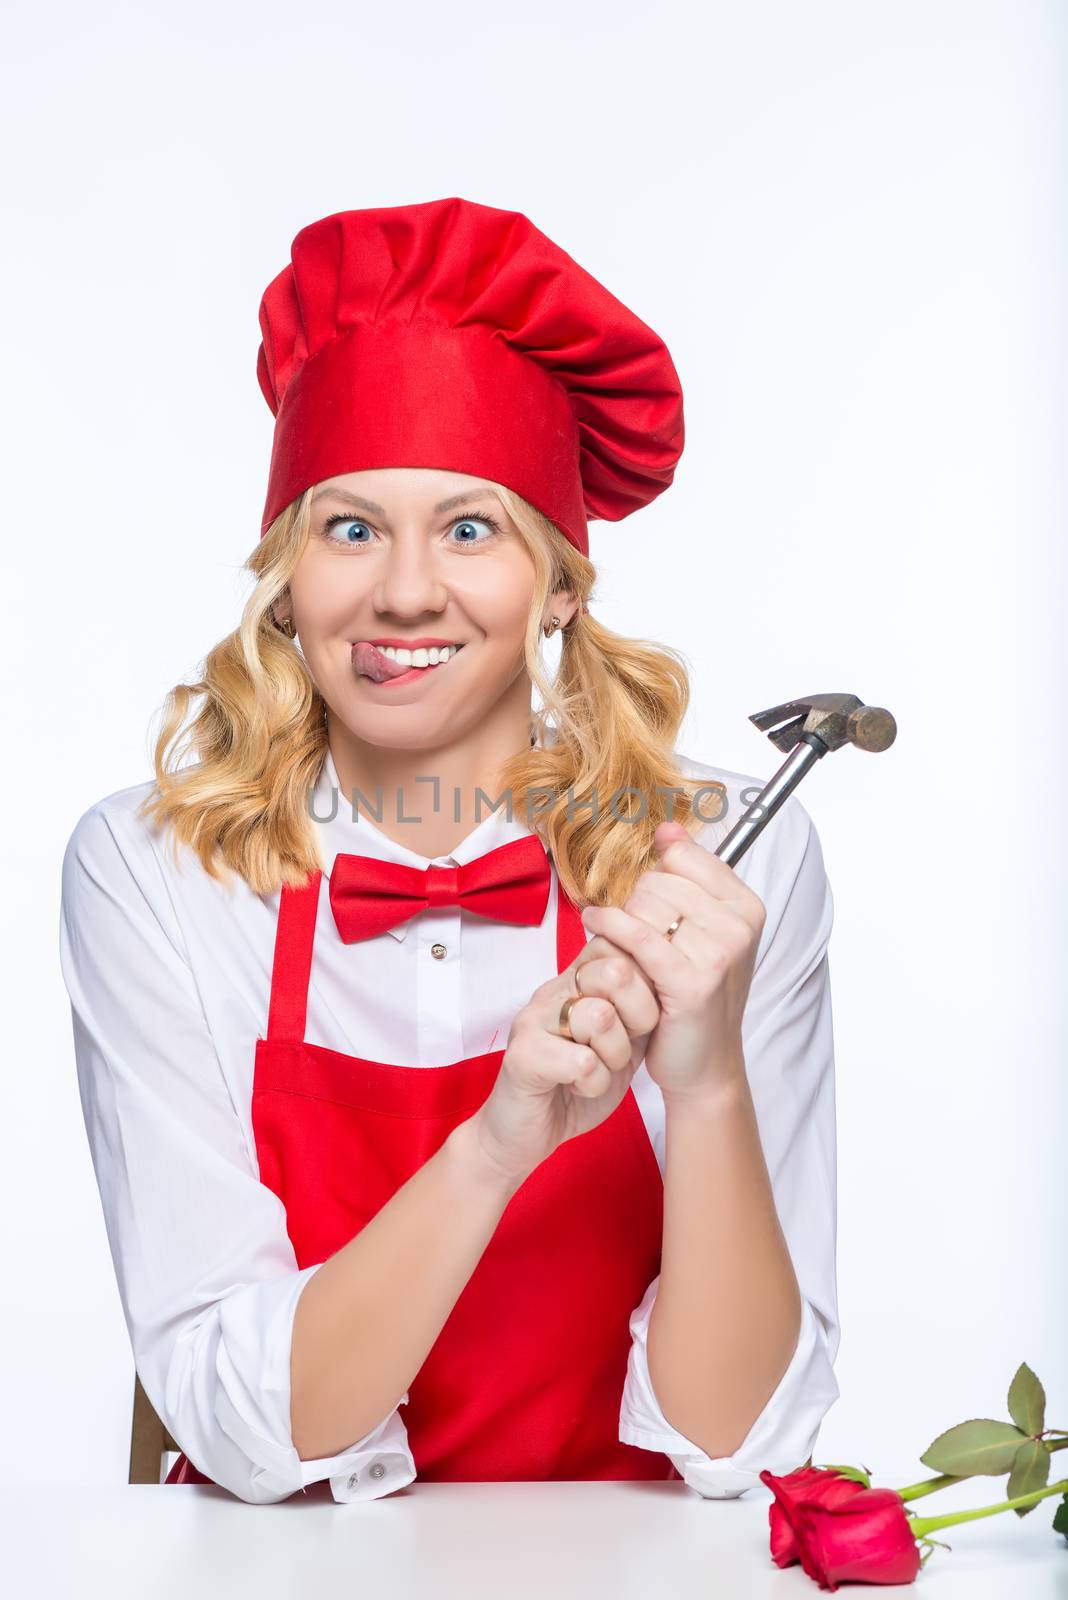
(857, 1474)
(979, 1447)
(1027, 1401)
(1060, 1517)
(1030, 1470)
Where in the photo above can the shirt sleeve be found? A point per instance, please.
(789, 1056)
(206, 1271)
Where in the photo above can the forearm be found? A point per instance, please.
(366, 1321)
(727, 1314)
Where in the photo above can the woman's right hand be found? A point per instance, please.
(551, 1088)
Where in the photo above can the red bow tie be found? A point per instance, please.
(510, 884)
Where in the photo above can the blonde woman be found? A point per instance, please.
(457, 1114)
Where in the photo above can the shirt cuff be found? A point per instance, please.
(781, 1439)
(257, 1417)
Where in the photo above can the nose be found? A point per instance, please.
(409, 585)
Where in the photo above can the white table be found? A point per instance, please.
(482, 1541)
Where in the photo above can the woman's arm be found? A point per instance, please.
(743, 1346)
(728, 1311)
(367, 1320)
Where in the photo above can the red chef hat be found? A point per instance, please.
(455, 335)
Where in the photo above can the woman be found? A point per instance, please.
(430, 1058)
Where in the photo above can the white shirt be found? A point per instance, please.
(169, 971)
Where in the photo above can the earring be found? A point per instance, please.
(551, 627)
(285, 627)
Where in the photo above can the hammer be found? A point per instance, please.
(817, 724)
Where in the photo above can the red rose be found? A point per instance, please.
(818, 1485)
(864, 1538)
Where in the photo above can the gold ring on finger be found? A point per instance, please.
(565, 1016)
(669, 932)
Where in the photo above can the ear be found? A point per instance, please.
(564, 605)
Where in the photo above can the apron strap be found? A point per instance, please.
(297, 911)
(570, 930)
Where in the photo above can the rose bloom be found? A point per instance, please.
(839, 1530)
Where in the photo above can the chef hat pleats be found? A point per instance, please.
(455, 335)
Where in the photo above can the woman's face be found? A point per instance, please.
(414, 557)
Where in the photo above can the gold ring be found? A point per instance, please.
(565, 1014)
(669, 932)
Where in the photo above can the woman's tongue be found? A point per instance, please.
(372, 663)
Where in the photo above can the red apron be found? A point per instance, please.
(526, 1376)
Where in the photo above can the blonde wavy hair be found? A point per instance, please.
(616, 705)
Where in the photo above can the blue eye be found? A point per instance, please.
(350, 522)
(470, 522)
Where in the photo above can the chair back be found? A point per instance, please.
(149, 1440)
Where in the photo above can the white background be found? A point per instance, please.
(847, 222)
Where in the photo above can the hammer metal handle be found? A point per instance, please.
(805, 754)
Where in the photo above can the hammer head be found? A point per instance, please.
(835, 719)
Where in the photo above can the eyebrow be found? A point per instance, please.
(380, 511)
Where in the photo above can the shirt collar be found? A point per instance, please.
(338, 832)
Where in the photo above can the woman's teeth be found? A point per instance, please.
(423, 657)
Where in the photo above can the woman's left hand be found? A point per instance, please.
(701, 975)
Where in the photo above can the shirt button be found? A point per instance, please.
(438, 951)
(354, 1479)
(378, 1470)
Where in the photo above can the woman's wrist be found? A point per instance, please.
(471, 1156)
(721, 1092)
